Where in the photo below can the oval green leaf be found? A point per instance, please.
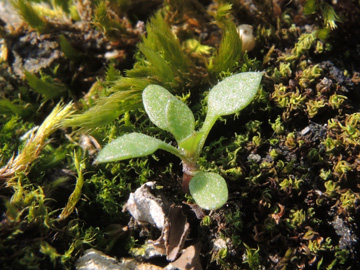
(233, 93)
(180, 119)
(129, 146)
(155, 99)
(209, 190)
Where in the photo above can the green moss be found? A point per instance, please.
(229, 54)
(31, 16)
(46, 86)
(290, 159)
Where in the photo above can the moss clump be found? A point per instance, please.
(290, 159)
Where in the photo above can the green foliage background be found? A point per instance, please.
(291, 159)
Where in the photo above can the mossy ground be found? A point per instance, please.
(291, 158)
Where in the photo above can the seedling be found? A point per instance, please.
(229, 96)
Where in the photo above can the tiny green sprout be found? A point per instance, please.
(229, 96)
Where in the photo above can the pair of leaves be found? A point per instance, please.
(167, 112)
(209, 190)
(227, 97)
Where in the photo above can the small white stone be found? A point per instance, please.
(246, 35)
(96, 260)
(305, 130)
(145, 207)
(219, 244)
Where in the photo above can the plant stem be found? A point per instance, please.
(189, 164)
(207, 126)
(175, 151)
(189, 169)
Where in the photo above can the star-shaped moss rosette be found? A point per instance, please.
(229, 96)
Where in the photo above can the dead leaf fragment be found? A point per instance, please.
(178, 231)
(189, 259)
(173, 235)
(277, 216)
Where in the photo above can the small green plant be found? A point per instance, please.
(231, 95)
